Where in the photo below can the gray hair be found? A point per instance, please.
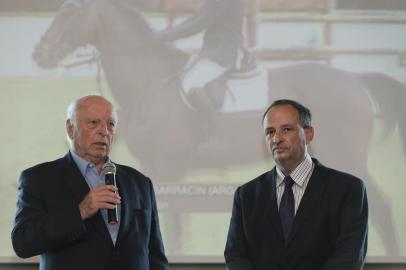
(71, 111)
(75, 105)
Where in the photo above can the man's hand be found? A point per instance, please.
(103, 197)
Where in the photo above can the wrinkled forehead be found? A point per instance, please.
(96, 107)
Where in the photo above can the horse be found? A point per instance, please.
(171, 139)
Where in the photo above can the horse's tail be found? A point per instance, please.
(389, 96)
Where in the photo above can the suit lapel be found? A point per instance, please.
(77, 184)
(131, 199)
(314, 190)
(125, 206)
(73, 178)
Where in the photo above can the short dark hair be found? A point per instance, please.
(305, 116)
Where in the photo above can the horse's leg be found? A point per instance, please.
(382, 218)
(388, 95)
(351, 155)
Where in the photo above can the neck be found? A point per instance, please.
(98, 162)
(288, 167)
(286, 171)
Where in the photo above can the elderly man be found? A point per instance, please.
(62, 205)
(300, 215)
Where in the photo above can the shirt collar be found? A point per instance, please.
(80, 162)
(299, 174)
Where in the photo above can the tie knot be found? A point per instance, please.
(288, 181)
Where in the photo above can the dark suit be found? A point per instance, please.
(329, 230)
(48, 221)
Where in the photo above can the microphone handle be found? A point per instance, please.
(111, 213)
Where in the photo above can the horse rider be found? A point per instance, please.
(204, 76)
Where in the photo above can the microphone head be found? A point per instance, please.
(109, 168)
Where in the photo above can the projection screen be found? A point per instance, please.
(344, 59)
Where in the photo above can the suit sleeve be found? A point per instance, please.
(236, 251)
(351, 242)
(35, 229)
(157, 258)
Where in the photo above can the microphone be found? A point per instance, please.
(109, 171)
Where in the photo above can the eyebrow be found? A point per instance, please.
(282, 126)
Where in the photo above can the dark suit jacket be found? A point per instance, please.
(48, 222)
(329, 230)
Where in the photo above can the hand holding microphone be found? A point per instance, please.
(109, 171)
(103, 197)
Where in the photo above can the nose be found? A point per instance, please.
(104, 130)
(276, 137)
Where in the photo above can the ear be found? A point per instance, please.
(309, 133)
(69, 128)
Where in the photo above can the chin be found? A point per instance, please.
(100, 151)
(281, 155)
(100, 154)
(281, 158)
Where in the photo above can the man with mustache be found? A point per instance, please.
(62, 205)
(300, 215)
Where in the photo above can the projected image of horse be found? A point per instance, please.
(170, 139)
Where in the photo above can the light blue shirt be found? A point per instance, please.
(94, 180)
